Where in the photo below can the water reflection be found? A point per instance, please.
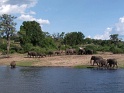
(60, 80)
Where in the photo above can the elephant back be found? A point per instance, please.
(96, 57)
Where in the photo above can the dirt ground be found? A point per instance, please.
(63, 60)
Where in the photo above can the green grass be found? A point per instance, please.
(88, 66)
(121, 66)
(84, 66)
(25, 63)
(81, 66)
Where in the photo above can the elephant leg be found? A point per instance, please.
(110, 65)
(116, 66)
(93, 62)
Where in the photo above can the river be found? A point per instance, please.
(60, 80)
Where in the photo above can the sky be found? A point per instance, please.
(96, 19)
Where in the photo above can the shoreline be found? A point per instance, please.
(57, 61)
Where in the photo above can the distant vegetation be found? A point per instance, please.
(30, 37)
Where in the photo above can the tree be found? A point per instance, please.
(30, 32)
(58, 38)
(7, 28)
(114, 39)
(74, 38)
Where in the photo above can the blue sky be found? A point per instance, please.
(96, 19)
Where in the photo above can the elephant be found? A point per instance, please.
(57, 52)
(88, 51)
(94, 58)
(32, 54)
(50, 53)
(81, 51)
(112, 63)
(13, 64)
(40, 55)
(102, 63)
(70, 51)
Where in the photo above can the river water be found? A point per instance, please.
(60, 80)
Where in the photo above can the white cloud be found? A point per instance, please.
(31, 18)
(16, 6)
(12, 9)
(32, 12)
(88, 36)
(26, 18)
(105, 36)
(22, 8)
(118, 28)
(29, 3)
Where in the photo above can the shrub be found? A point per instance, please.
(116, 50)
(27, 47)
(91, 47)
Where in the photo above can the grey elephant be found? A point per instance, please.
(88, 51)
(94, 59)
(40, 55)
(58, 52)
(13, 64)
(70, 51)
(32, 54)
(50, 53)
(81, 51)
(102, 63)
(112, 63)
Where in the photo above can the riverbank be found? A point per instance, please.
(63, 60)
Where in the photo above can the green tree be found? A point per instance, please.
(88, 41)
(7, 28)
(58, 38)
(31, 32)
(74, 38)
(114, 39)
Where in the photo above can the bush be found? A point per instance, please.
(116, 50)
(27, 47)
(3, 46)
(103, 48)
(91, 47)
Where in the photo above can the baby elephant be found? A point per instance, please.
(102, 63)
(13, 64)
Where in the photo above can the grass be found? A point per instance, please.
(83, 66)
(25, 63)
(88, 66)
(121, 66)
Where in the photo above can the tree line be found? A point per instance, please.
(31, 37)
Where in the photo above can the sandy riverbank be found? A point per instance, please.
(63, 60)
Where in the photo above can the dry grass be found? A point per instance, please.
(64, 60)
